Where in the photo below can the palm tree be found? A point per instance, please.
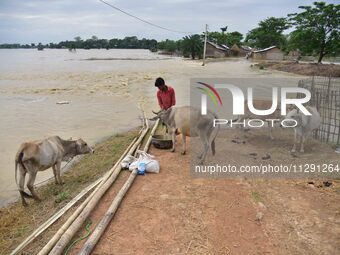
(192, 45)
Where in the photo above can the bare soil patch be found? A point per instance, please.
(308, 69)
(172, 213)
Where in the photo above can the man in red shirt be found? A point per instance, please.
(165, 94)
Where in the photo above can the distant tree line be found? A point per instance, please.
(130, 42)
(315, 31)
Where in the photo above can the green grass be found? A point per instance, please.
(62, 196)
(256, 196)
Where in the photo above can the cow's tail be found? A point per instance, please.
(18, 160)
(213, 150)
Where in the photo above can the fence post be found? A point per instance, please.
(330, 109)
(312, 91)
(328, 87)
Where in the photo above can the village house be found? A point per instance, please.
(215, 50)
(240, 51)
(293, 55)
(270, 53)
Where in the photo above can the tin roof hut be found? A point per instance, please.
(215, 50)
(270, 53)
(240, 51)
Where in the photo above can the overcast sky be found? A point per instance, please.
(27, 21)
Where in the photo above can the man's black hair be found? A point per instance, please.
(159, 82)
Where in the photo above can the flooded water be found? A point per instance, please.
(32, 60)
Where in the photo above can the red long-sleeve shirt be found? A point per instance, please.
(166, 99)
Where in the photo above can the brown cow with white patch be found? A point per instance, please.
(40, 155)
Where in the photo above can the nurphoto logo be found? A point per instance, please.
(239, 103)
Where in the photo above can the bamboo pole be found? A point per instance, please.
(55, 217)
(99, 230)
(102, 225)
(61, 231)
(147, 144)
(77, 223)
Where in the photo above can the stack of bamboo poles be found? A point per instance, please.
(63, 236)
(102, 225)
(55, 217)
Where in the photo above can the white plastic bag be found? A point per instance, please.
(125, 164)
(151, 164)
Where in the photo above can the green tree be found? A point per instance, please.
(192, 45)
(217, 37)
(234, 38)
(316, 29)
(226, 38)
(78, 42)
(268, 33)
(167, 45)
(130, 42)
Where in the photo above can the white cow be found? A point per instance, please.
(306, 124)
(261, 105)
(189, 122)
(40, 155)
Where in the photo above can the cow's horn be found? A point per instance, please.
(156, 113)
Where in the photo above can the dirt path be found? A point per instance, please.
(172, 213)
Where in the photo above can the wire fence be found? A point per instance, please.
(325, 96)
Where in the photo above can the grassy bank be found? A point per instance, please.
(17, 222)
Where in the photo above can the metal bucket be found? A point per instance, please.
(161, 141)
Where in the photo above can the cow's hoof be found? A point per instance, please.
(24, 204)
(183, 152)
(37, 199)
(292, 151)
(172, 150)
